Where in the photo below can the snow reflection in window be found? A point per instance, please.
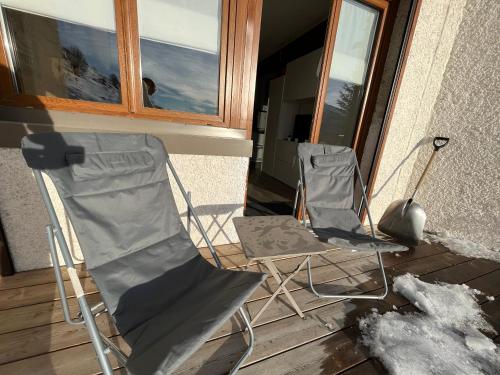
(58, 58)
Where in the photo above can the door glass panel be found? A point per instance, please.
(180, 53)
(347, 77)
(63, 49)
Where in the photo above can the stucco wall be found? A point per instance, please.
(450, 87)
(461, 195)
(216, 183)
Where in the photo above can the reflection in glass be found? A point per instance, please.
(61, 56)
(347, 78)
(180, 53)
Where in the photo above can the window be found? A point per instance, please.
(165, 59)
(347, 78)
(356, 46)
(180, 54)
(62, 50)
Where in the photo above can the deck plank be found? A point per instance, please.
(74, 360)
(290, 332)
(36, 277)
(40, 293)
(41, 307)
(31, 295)
(58, 330)
(37, 315)
(342, 349)
(24, 290)
(49, 338)
(370, 367)
(47, 345)
(364, 282)
(46, 275)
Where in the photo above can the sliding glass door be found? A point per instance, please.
(350, 54)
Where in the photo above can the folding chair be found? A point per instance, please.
(165, 299)
(326, 189)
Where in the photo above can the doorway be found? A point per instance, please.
(319, 71)
(291, 45)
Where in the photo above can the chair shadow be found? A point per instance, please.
(220, 216)
(225, 357)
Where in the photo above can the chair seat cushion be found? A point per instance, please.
(342, 228)
(163, 342)
(356, 241)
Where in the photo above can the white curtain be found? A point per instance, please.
(191, 24)
(95, 13)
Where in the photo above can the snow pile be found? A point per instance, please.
(445, 338)
(450, 305)
(464, 247)
(86, 82)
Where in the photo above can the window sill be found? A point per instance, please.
(178, 138)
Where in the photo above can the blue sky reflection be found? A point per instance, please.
(186, 80)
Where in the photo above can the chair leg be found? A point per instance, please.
(251, 342)
(351, 296)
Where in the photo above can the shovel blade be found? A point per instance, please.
(405, 220)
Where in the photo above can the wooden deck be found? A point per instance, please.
(34, 339)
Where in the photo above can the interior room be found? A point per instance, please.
(291, 46)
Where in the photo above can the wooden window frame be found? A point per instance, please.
(387, 9)
(237, 66)
(10, 97)
(135, 72)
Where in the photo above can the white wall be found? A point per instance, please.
(450, 88)
(217, 185)
(462, 193)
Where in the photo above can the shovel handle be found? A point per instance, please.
(438, 142)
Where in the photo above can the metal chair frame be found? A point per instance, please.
(87, 314)
(301, 190)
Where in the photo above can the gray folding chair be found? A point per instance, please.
(164, 297)
(326, 189)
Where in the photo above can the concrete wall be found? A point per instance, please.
(462, 193)
(211, 162)
(450, 88)
(217, 185)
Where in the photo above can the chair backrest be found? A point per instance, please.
(327, 173)
(117, 194)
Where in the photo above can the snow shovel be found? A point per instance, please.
(404, 219)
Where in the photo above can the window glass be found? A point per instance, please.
(180, 53)
(63, 49)
(347, 78)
